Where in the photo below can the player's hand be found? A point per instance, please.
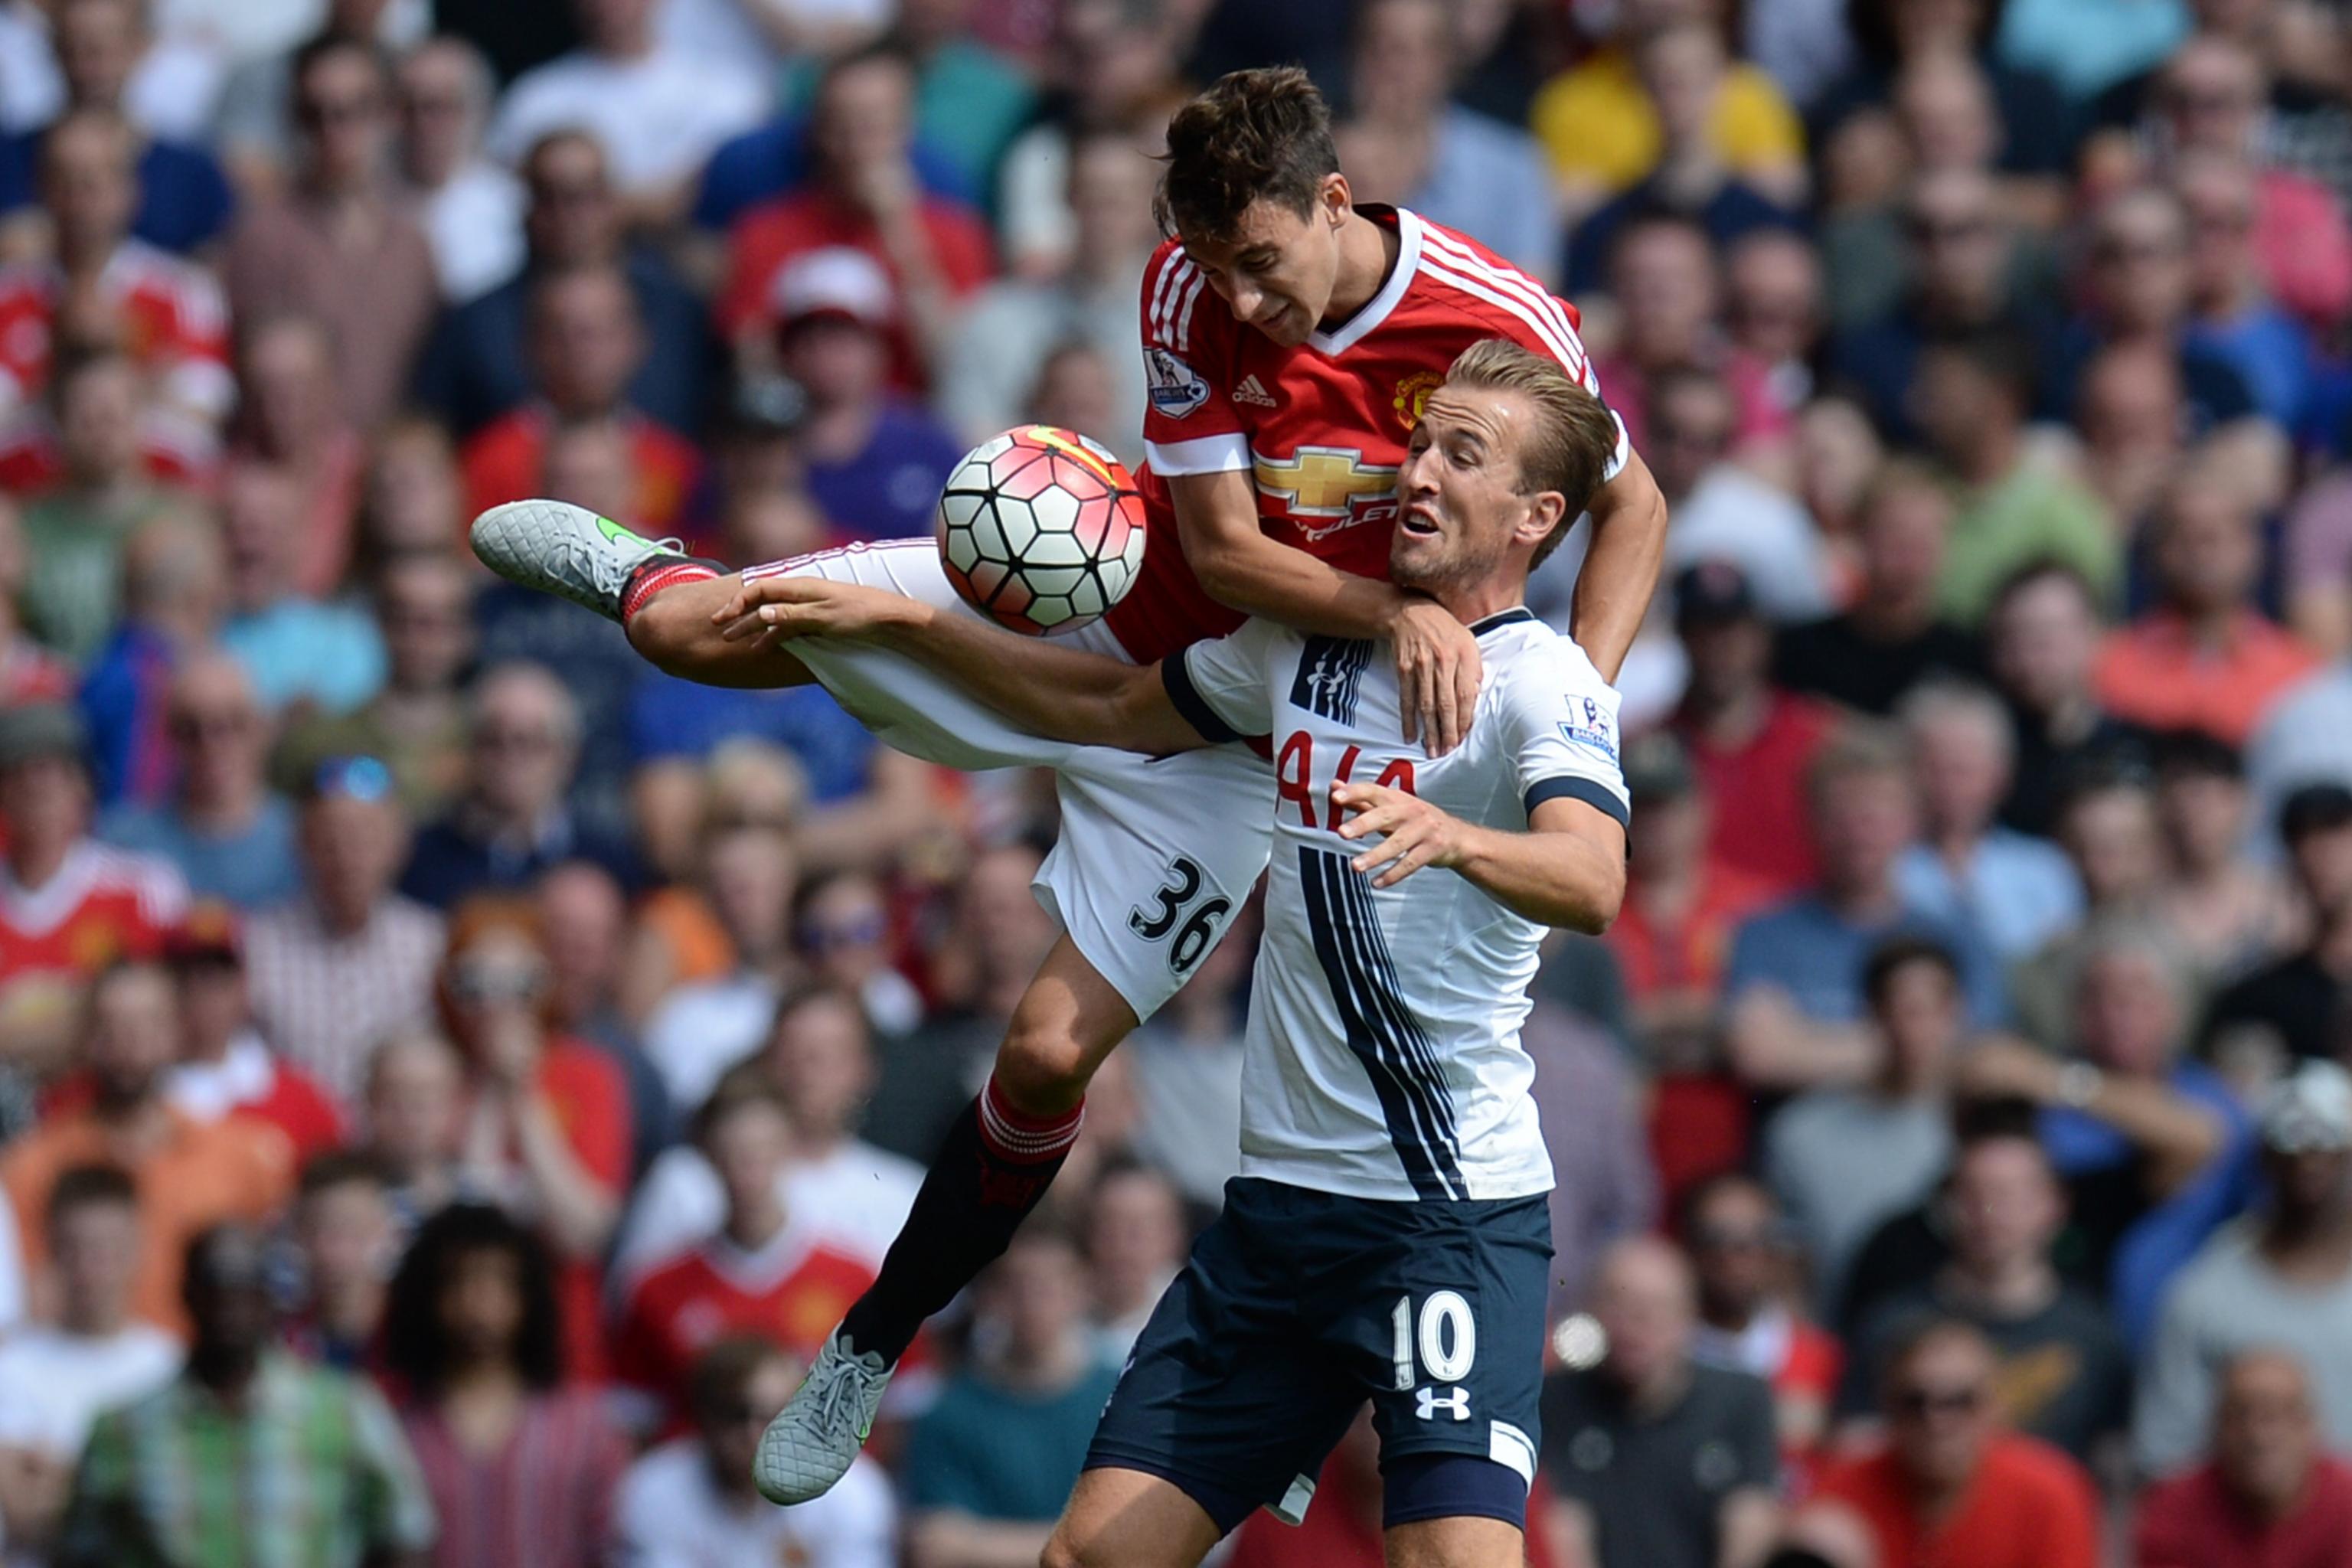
(1437, 674)
(777, 608)
(1415, 833)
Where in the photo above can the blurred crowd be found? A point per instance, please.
(452, 1076)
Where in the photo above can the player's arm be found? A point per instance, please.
(1227, 548)
(1621, 568)
(1568, 869)
(1050, 690)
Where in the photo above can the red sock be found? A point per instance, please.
(1018, 1138)
(657, 575)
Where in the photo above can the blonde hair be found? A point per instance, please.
(1568, 448)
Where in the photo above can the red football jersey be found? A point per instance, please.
(1322, 426)
(173, 322)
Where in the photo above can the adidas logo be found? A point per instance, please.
(1250, 391)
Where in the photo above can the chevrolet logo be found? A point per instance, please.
(1323, 481)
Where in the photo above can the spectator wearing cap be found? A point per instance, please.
(2017, 892)
(1891, 635)
(475, 367)
(583, 341)
(339, 246)
(231, 836)
(657, 111)
(472, 206)
(189, 1173)
(1744, 1263)
(2043, 642)
(1971, 396)
(1749, 741)
(876, 461)
(865, 196)
(2268, 1494)
(2296, 1006)
(2280, 1280)
(347, 962)
(68, 906)
(1951, 1485)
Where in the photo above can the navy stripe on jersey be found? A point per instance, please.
(1189, 705)
(1569, 787)
(1397, 1053)
(1512, 617)
(1329, 670)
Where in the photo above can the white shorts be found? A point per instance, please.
(1155, 853)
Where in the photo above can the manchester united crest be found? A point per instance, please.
(1412, 392)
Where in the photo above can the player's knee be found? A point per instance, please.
(673, 630)
(1043, 1066)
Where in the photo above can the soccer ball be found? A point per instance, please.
(1041, 529)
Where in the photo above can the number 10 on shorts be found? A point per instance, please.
(1446, 1340)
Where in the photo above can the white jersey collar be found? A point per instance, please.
(1376, 309)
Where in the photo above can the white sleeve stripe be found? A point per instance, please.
(1184, 322)
(1204, 455)
(1543, 329)
(1513, 281)
(1170, 272)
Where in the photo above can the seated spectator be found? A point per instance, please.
(675, 809)
(2016, 892)
(29, 673)
(288, 418)
(2282, 1280)
(2131, 412)
(474, 367)
(349, 961)
(411, 500)
(472, 207)
(2233, 316)
(348, 1239)
(841, 924)
(174, 595)
(1891, 635)
(415, 724)
(1843, 1159)
(189, 1173)
(167, 1478)
(993, 1458)
(2044, 631)
(2293, 1008)
(2231, 914)
(2063, 1376)
(1623, 1435)
(294, 649)
(229, 835)
(1952, 1486)
(1749, 741)
(1135, 1238)
(1775, 310)
(2269, 1493)
(1721, 510)
(585, 919)
(1890, 38)
(55, 1378)
(80, 526)
(865, 196)
(520, 1468)
(1794, 979)
(69, 907)
(184, 198)
(512, 822)
(701, 1030)
(1744, 1262)
(339, 247)
(2204, 657)
(690, 1503)
(584, 344)
(2108, 824)
(1971, 396)
(1663, 276)
(414, 1107)
(1001, 341)
(657, 111)
(100, 286)
(545, 1119)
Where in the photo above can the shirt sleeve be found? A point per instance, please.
(1190, 424)
(1221, 687)
(397, 1510)
(1561, 720)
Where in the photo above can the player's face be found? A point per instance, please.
(1276, 270)
(1459, 499)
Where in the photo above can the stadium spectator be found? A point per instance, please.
(289, 417)
(2043, 645)
(2065, 1376)
(1664, 278)
(1722, 509)
(29, 673)
(2293, 1007)
(1655, 1458)
(2231, 316)
(1891, 34)
(253, 124)
(1774, 309)
(701, 1030)
(2231, 913)
(1952, 1486)
(230, 835)
(189, 1173)
(174, 594)
(584, 918)
(2131, 411)
(1135, 1238)
(55, 1378)
(348, 1239)
(842, 924)
(988, 1466)
(167, 1478)
(1891, 635)
(295, 650)
(339, 246)
(1745, 1260)
(689, 1503)
(521, 1468)
(2269, 1492)
(472, 207)
(349, 961)
(2108, 827)
(2284, 1280)
(1589, 1099)
(413, 1109)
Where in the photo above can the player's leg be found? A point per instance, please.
(1125, 1519)
(1458, 1541)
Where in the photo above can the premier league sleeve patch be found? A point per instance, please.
(1175, 389)
(1591, 726)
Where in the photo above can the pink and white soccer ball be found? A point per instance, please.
(1041, 529)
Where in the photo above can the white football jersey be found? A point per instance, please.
(1382, 1058)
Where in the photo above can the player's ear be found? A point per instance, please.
(1544, 510)
(1335, 199)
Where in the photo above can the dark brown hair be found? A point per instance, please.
(1255, 135)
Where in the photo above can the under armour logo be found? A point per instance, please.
(1456, 1400)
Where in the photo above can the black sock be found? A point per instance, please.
(991, 1171)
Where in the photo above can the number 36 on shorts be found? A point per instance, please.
(1177, 914)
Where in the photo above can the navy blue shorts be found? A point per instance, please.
(1296, 1306)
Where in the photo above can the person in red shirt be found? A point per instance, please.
(584, 341)
(2268, 1497)
(865, 194)
(1951, 1488)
